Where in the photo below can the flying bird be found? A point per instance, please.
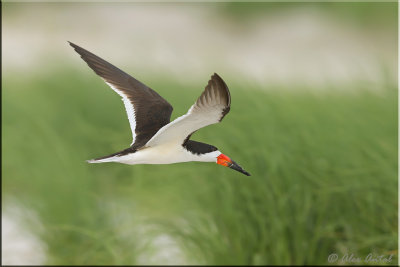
(156, 140)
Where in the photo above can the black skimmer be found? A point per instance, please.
(156, 140)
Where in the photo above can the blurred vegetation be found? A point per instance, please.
(364, 14)
(323, 165)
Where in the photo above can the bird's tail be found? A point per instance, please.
(102, 160)
(115, 157)
(109, 158)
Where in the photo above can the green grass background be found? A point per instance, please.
(323, 165)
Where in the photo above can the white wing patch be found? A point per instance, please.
(208, 109)
(130, 110)
(177, 130)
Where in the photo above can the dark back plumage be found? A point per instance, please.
(198, 147)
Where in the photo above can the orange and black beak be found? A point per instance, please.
(226, 161)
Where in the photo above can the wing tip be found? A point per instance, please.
(73, 45)
(215, 77)
(80, 51)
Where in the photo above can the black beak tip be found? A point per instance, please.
(236, 167)
(246, 173)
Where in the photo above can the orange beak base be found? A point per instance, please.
(227, 162)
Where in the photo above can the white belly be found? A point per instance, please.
(165, 154)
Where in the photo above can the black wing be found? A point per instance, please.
(147, 111)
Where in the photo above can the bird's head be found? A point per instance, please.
(228, 162)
